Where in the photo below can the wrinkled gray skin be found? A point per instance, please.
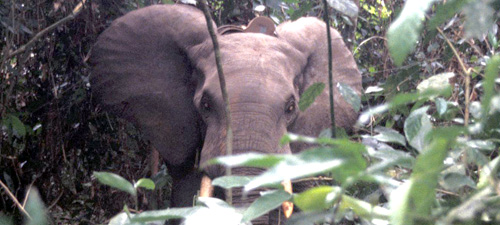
(155, 67)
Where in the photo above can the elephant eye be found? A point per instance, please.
(290, 106)
(205, 103)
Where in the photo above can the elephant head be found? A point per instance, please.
(155, 67)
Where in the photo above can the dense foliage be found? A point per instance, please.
(425, 150)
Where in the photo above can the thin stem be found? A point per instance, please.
(222, 80)
(330, 66)
(14, 199)
(466, 73)
(40, 34)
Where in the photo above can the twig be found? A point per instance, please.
(466, 73)
(365, 41)
(330, 66)
(222, 80)
(14, 199)
(71, 16)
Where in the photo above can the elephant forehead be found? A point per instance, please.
(259, 53)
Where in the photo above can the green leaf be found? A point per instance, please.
(478, 18)
(343, 160)
(5, 220)
(488, 173)
(231, 181)
(122, 218)
(404, 33)
(166, 214)
(302, 218)
(441, 106)
(265, 203)
(416, 127)
(36, 209)
(411, 203)
(439, 83)
(310, 95)
(445, 12)
(212, 203)
(364, 209)
(491, 73)
(389, 157)
(317, 198)
(249, 159)
(17, 126)
(454, 181)
(346, 7)
(145, 183)
(350, 96)
(115, 181)
(389, 135)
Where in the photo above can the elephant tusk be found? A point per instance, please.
(287, 206)
(206, 188)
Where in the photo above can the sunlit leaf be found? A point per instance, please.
(441, 106)
(310, 95)
(115, 181)
(454, 181)
(389, 135)
(36, 209)
(342, 160)
(346, 7)
(416, 127)
(231, 181)
(440, 83)
(165, 214)
(478, 18)
(249, 159)
(491, 73)
(122, 218)
(317, 198)
(145, 183)
(445, 11)
(404, 32)
(350, 96)
(411, 203)
(488, 173)
(265, 203)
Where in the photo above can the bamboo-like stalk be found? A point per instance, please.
(330, 66)
(222, 80)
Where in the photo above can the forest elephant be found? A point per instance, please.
(156, 68)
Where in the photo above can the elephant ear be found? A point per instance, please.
(308, 36)
(142, 73)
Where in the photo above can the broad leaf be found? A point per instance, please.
(249, 159)
(310, 95)
(439, 83)
(346, 7)
(404, 32)
(444, 12)
(343, 160)
(122, 218)
(36, 209)
(416, 127)
(145, 183)
(115, 181)
(389, 135)
(317, 198)
(231, 181)
(454, 181)
(350, 96)
(166, 214)
(265, 203)
(441, 106)
(411, 203)
(479, 18)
